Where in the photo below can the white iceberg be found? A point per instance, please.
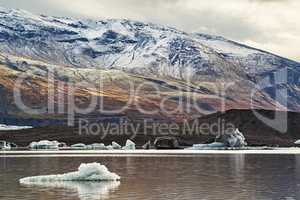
(86, 172)
(84, 190)
(97, 146)
(234, 140)
(45, 144)
(116, 146)
(109, 147)
(79, 146)
(5, 145)
(4, 127)
(297, 142)
(101, 146)
(129, 145)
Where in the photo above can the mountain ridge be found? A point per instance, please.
(125, 51)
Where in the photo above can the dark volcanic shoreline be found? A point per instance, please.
(256, 132)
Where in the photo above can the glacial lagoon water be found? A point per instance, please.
(195, 177)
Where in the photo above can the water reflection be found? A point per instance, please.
(85, 190)
(237, 166)
(213, 177)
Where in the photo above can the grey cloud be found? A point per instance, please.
(35, 6)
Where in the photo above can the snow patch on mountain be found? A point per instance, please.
(127, 45)
(149, 50)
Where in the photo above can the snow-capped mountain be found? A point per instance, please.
(154, 53)
(127, 45)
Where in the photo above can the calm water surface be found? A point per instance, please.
(213, 177)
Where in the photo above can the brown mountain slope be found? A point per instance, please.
(114, 89)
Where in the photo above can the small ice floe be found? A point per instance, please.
(129, 145)
(97, 146)
(215, 145)
(113, 146)
(116, 146)
(46, 145)
(86, 172)
(79, 146)
(109, 147)
(4, 127)
(100, 146)
(89, 190)
(235, 139)
(230, 140)
(5, 145)
(297, 142)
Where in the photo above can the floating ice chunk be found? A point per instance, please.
(232, 140)
(297, 142)
(45, 144)
(100, 146)
(129, 145)
(109, 147)
(235, 139)
(4, 145)
(85, 190)
(79, 146)
(212, 146)
(116, 146)
(86, 172)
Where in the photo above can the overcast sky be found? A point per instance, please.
(272, 25)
